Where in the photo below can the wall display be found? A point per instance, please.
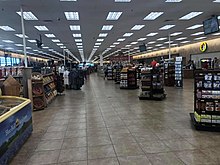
(152, 84)
(207, 98)
(178, 72)
(15, 125)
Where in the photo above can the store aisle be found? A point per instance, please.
(103, 125)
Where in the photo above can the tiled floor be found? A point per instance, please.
(103, 125)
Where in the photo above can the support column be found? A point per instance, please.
(169, 48)
(101, 60)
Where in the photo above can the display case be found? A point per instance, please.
(118, 75)
(110, 75)
(207, 99)
(15, 125)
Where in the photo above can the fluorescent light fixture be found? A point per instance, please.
(153, 15)
(121, 39)
(149, 47)
(155, 49)
(166, 27)
(128, 34)
(113, 15)
(100, 40)
(190, 15)
(21, 35)
(197, 34)
(75, 27)
(112, 46)
(122, 0)
(107, 27)
(9, 48)
(28, 48)
(79, 44)
(184, 42)
(176, 34)
(217, 1)
(59, 44)
(127, 46)
(152, 42)
(216, 34)
(19, 50)
(50, 49)
(72, 15)
(173, 1)
(168, 42)
(137, 27)
(78, 40)
(50, 35)
(7, 41)
(182, 38)
(35, 50)
(133, 43)
(103, 34)
(68, 0)
(96, 46)
(194, 27)
(18, 45)
(174, 45)
(98, 43)
(32, 41)
(41, 28)
(158, 45)
(55, 40)
(7, 28)
(141, 39)
(163, 47)
(116, 43)
(161, 39)
(151, 34)
(77, 35)
(80, 47)
(200, 38)
(62, 47)
(28, 15)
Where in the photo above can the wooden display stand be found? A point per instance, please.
(128, 79)
(169, 74)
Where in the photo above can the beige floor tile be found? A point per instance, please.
(107, 161)
(97, 152)
(134, 160)
(154, 147)
(74, 142)
(49, 145)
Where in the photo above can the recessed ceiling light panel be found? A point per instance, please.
(153, 15)
(166, 27)
(28, 15)
(107, 27)
(194, 27)
(127, 34)
(113, 16)
(74, 27)
(137, 27)
(151, 34)
(41, 28)
(77, 35)
(72, 16)
(50, 35)
(7, 28)
(190, 15)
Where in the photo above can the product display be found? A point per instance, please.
(169, 74)
(207, 98)
(110, 75)
(43, 90)
(178, 72)
(117, 74)
(152, 84)
(128, 79)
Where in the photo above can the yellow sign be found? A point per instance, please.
(203, 46)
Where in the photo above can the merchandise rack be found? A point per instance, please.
(117, 75)
(152, 85)
(169, 74)
(206, 114)
(178, 72)
(128, 79)
(43, 90)
(110, 75)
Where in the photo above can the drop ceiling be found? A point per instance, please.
(85, 32)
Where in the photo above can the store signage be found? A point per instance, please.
(203, 46)
(120, 58)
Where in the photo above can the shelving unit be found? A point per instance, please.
(117, 75)
(206, 99)
(178, 72)
(152, 85)
(43, 90)
(169, 74)
(110, 75)
(128, 79)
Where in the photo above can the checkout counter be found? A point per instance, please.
(15, 125)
